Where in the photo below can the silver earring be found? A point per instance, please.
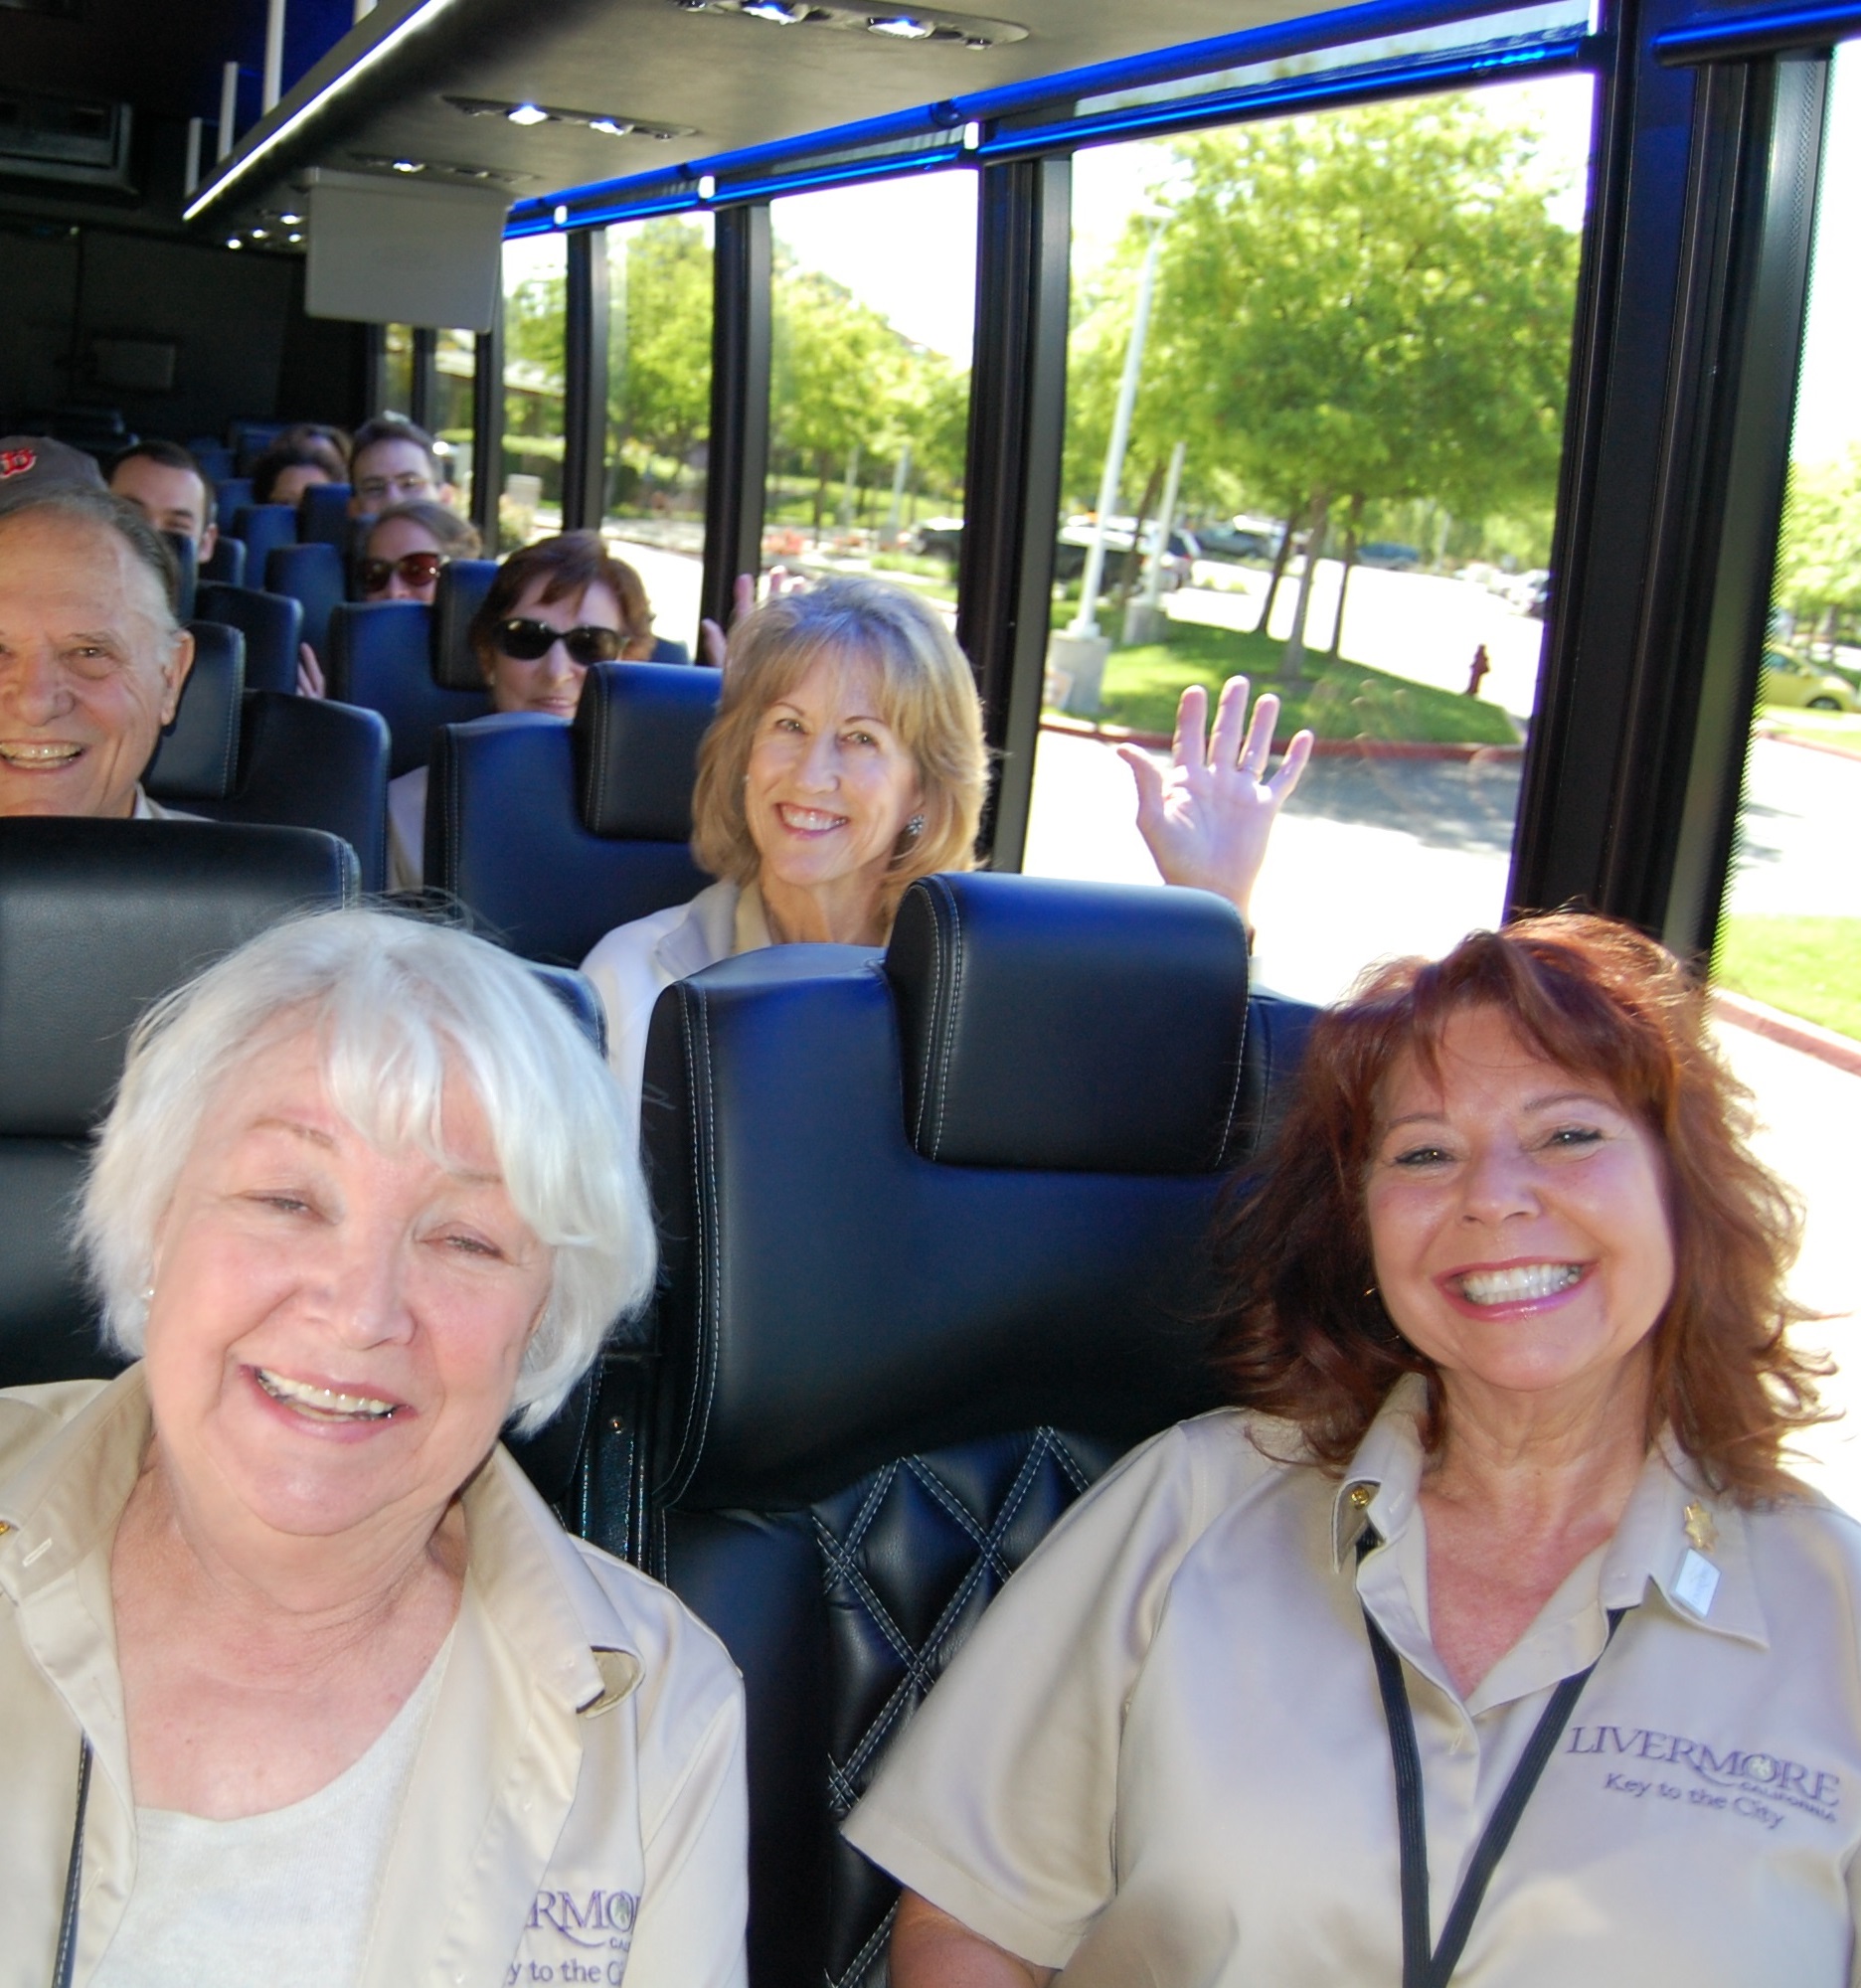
(913, 828)
(149, 1295)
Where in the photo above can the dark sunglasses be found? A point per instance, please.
(416, 569)
(526, 642)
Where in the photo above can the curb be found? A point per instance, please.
(1812, 745)
(1324, 749)
(1843, 1052)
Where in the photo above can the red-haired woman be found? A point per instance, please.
(1486, 1639)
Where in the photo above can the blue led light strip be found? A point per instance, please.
(671, 189)
(1738, 36)
(1398, 76)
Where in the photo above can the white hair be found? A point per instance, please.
(398, 1005)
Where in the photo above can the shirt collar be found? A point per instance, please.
(1651, 1543)
(751, 933)
(67, 1497)
(1384, 1480)
(541, 1593)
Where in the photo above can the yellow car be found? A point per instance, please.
(1787, 681)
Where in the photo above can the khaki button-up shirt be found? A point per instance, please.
(1162, 1757)
(577, 1811)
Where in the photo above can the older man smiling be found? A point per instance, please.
(91, 659)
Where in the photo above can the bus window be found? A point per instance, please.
(536, 287)
(454, 366)
(1788, 961)
(659, 276)
(1316, 376)
(397, 367)
(873, 312)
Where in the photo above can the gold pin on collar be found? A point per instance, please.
(1700, 1528)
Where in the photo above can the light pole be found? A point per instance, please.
(1077, 658)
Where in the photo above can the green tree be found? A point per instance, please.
(837, 377)
(1356, 308)
(1818, 576)
(659, 344)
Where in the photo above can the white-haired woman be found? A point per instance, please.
(847, 759)
(305, 1683)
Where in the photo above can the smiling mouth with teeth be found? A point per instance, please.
(37, 752)
(811, 820)
(1518, 1284)
(323, 1404)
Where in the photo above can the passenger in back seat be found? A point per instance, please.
(164, 482)
(847, 759)
(555, 609)
(361, 1712)
(91, 659)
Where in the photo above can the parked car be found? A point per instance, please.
(1237, 542)
(1387, 553)
(1790, 682)
(941, 538)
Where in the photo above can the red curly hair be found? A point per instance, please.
(1304, 1334)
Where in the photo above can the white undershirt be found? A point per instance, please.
(283, 1899)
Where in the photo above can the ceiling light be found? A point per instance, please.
(407, 165)
(920, 25)
(260, 234)
(706, 186)
(609, 123)
(293, 237)
(233, 241)
(560, 217)
(290, 220)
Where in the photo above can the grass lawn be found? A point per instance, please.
(1338, 699)
(1806, 966)
(1824, 727)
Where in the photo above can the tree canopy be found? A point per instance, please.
(1369, 305)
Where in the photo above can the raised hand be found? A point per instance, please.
(309, 673)
(710, 636)
(1208, 819)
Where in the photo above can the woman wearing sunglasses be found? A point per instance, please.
(404, 549)
(555, 609)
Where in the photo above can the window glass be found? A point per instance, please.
(659, 276)
(869, 399)
(1788, 963)
(397, 368)
(454, 364)
(1352, 383)
(535, 291)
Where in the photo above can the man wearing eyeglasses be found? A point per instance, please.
(394, 462)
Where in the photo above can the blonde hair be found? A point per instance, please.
(927, 693)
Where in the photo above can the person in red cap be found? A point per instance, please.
(91, 658)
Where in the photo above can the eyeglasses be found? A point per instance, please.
(409, 483)
(525, 641)
(415, 568)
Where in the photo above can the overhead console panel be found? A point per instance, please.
(401, 252)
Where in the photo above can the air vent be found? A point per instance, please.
(64, 138)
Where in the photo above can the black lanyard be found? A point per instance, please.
(1432, 1967)
(73, 1870)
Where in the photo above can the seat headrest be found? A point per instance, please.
(463, 583)
(1069, 1026)
(187, 574)
(636, 734)
(98, 918)
(198, 756)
